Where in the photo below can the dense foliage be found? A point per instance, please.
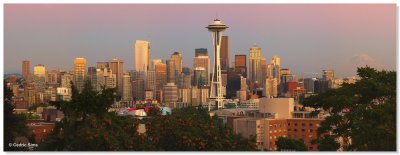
(190, 129)
(15, 125)
(89, 126)
(286, 144)
(362, 116)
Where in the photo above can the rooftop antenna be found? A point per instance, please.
(216, 15)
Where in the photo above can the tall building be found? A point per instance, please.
(201, 52)
(270, 87)
(225, 52)
(138, 89)
(92, 76)
(161, 75)
(25, 69)
(204, 62)
(309, 84)
(39, 70)
(328, 74)
(117, 68)
(286, 77)
(101, 65)
(216, 92)
(276, 67)
(80, 72)
(105, 78)
(241, 65)
(176, 57)
(151, 81)
(66, 79)
(171, 68)
(254, 67)
(200, 77)
(153, 64)
(170, 94)
(233, 83)
(29, 93)
(142, 55)
(126, 87)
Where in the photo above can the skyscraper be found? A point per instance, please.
(39, 70)
(138, 88)
(241, 65)
(80, 72)
(176, 57)
(117, 68)
(161, 75)
(254, 60)
(171, 68)
(328, 74)
(276, 68)
(151, 81)
(200, 52)
(216, 92)
(142, 55)
(204, 62)
(225, 52)
(126, 87)
(92, 76)
(25, 69)
(200, 75)
(170, 94)
(101, 65)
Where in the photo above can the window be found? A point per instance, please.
(310, 148)
(44, 130)
(310, 124)
(289, 130)
(302, 124)
(303, 130)
(295, 124)
(288, 124)
(295, 130)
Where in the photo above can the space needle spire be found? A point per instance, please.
(216, 28)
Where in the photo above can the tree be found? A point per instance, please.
(97, 129)
(286, 144)
(15, 125)
(362, 115)
(192, 129)
(88, 125)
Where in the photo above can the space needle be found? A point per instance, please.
(216, 81)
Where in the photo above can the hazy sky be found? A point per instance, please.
(307, 38)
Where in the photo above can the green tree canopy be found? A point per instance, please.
(15, 125)
(96, 129)
(362, 115)
(192, 129)
(286, 144)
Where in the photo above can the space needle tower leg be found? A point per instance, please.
(216, 81)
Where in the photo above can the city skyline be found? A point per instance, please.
(301, 36)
